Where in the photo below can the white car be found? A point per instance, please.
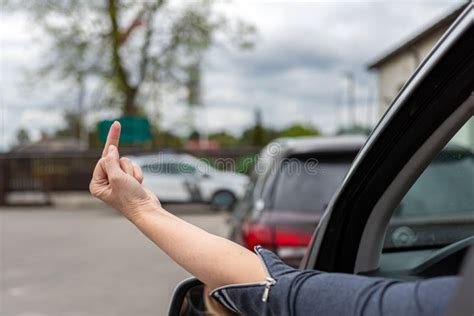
(182, 178)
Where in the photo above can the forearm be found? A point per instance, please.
(212, 259)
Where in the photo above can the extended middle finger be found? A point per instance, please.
(113, 137)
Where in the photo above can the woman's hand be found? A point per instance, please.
(214, 260)
(117, 181)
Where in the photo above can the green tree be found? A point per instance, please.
(72, 127)
(297, 130)
(258, 134)
(194, 135)
(224, 139)
(163, 139)
(354, 130)
(131, 48)
(22, 136)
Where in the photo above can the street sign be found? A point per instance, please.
(135, 130)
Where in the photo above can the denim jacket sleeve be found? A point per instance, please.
(288, 291)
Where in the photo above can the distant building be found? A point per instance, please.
(46, 145)
(396, 66)
(199, 144)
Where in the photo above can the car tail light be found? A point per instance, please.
(288, 244)
(291, 238)
(257, 234)
(291, 245)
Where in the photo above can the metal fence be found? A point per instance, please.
(71, 171)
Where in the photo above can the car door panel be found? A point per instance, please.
(168, 188)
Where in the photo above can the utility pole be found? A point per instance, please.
(83, 135)
(338, 110)
(350, 96)
(195, 101)
(370, 106)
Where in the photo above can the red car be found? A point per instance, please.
(292, 184)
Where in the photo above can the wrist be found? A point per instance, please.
(146, 210)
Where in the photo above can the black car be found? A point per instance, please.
(291, 187)
(433, 111)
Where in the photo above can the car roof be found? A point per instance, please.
(302, 145)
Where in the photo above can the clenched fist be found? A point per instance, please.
(118, 182)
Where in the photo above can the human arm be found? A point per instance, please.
(309, 292)
(218, 262)
(214, 260)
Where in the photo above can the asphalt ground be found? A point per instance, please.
(86, 259)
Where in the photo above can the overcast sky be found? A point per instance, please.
(295, 73)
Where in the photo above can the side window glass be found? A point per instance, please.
(439, 208)
(160, 168)
(154, 168)
(185, 169)
(173, 169)
(169, 168)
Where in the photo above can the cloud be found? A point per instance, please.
(295, 73)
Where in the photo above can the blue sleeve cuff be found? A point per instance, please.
(258, 298)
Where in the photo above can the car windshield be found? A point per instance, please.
(307, 187)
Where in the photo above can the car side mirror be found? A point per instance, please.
(191, 298)
(186, 298)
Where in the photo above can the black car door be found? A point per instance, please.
(434, 104)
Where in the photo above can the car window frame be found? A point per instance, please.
(419, 109)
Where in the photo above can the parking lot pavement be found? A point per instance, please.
(87, 262)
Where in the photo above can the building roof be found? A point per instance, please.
(444, 22)
(47, 146)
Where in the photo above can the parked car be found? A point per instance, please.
(292, 185)
(182, 178)
(434, 108)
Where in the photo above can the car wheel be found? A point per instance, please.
(223, 200)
